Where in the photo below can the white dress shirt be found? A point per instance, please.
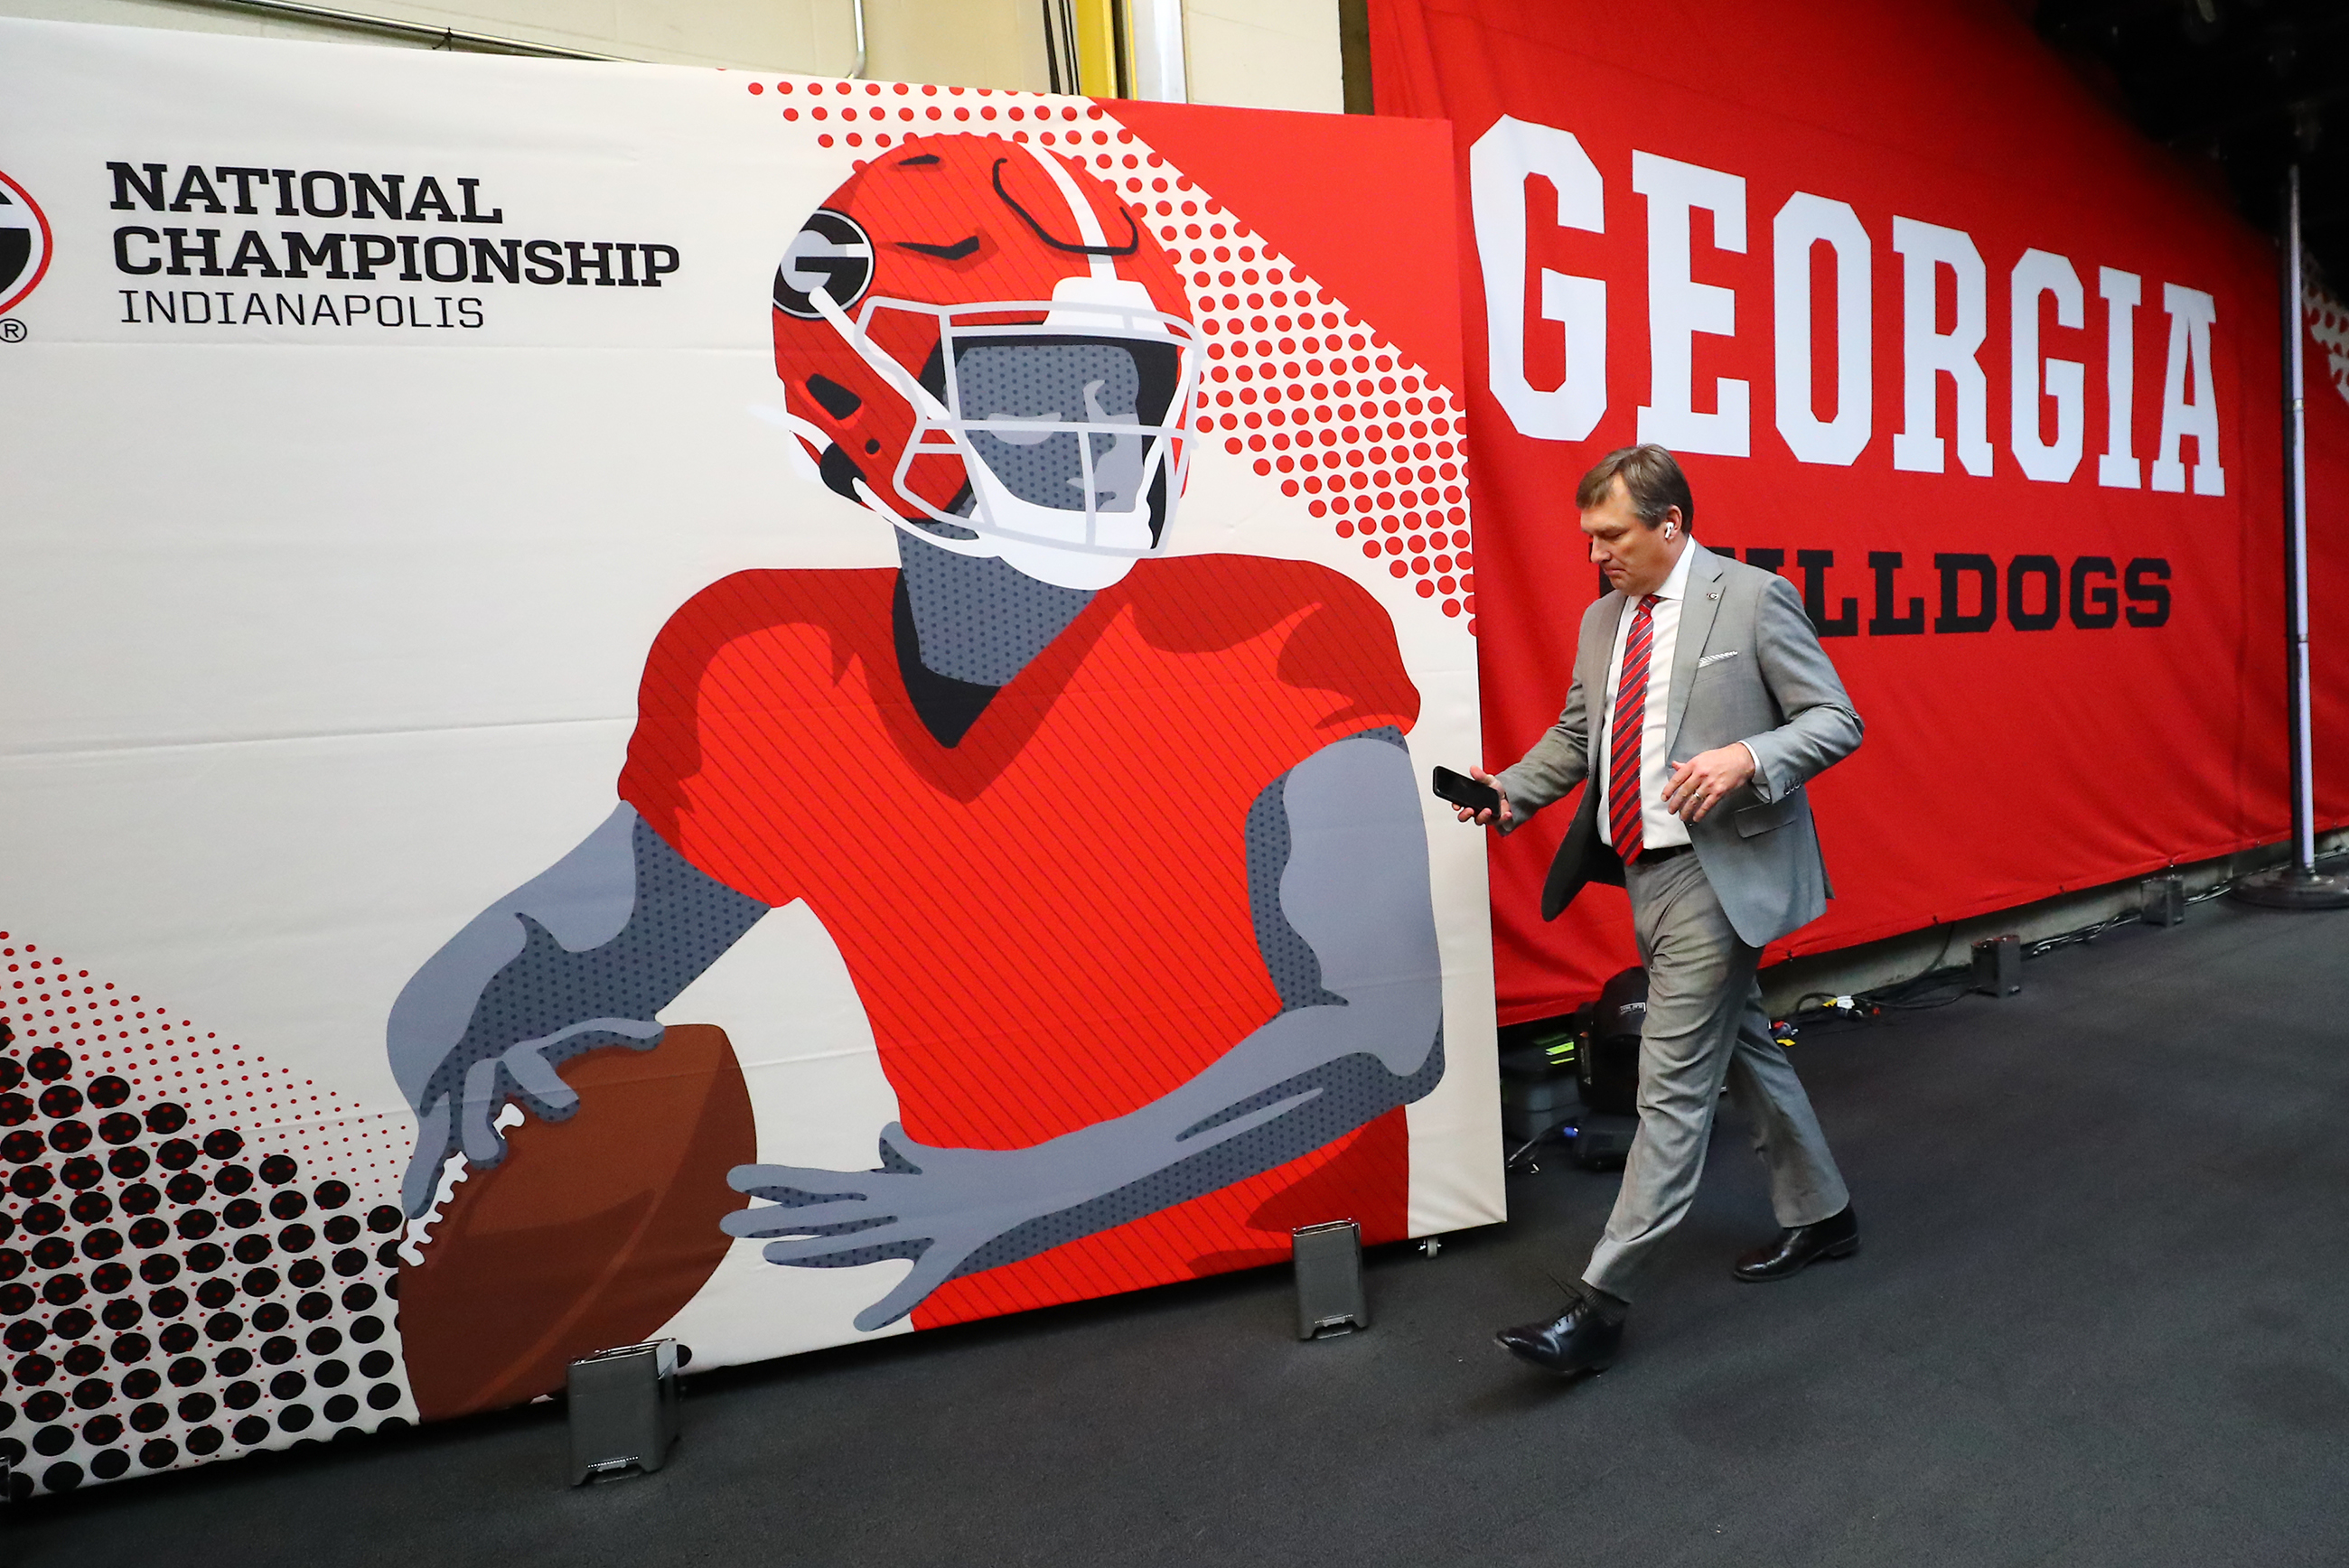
(1658, 829)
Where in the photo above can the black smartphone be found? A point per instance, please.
(1462, 790)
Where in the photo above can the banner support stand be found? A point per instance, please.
(2297, 884)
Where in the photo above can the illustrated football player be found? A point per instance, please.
(1122, 849)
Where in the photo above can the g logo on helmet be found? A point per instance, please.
(24, 244)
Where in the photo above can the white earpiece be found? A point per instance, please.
(1672, 531)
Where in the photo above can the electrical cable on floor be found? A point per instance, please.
(1939, 984)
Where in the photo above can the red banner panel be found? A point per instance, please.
(1942, 340)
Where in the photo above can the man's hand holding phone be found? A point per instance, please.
(1476, 798)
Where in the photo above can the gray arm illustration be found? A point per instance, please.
(1821, 728)
(582, 955)
(1339, 877)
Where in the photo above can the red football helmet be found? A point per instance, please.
(984, 345)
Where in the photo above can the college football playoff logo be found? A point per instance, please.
(24, 244)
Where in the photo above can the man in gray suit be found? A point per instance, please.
(1701, 703)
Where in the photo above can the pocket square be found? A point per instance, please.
(1716, 658)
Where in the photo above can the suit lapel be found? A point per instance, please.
(1593, 660)
(1698, 608)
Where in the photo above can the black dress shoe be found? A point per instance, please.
(1583, 1338)
(1837, 1236)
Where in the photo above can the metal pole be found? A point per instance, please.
(2296, 884)
(856, 71)
(2296, 571)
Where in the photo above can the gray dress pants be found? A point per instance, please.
(1705, 1024)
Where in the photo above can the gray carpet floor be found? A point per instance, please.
(2100, 1316)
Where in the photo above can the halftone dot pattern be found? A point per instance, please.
(195, 1247)
(2328, 324)
(1293, 380)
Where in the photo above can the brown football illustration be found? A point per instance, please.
(592, 1233)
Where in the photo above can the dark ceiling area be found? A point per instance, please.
(2242, 87)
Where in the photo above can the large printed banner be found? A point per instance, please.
(651, 702)
(1940, 339)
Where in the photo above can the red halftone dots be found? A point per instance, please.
(1294, 382)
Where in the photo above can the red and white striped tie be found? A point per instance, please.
(1623, 817)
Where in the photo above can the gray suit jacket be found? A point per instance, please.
(1745, 666)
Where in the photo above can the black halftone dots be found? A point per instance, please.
(323, 1342)
(127, 1163)
(119, 1128)
(121, 1315)
(60, 1099)
(108, 1092)
(167, 1303)
(270, 1316)
(359, 1298)
(149, 1418)
(242, 1395)
(197, 1407)
(81, 1175)
(14, 1299)
(314, 1305)
(159, 1454)
(232, 1180)
(204, 1440)
(375, 1364)
(342, 1230)
(330, 1374)
(1289, 959)
(166, 1118)
(223, 1326)
(140, 1198)
(25, 1336)
(52, 1441)
(331, 1194)
(682, 920)
(278, 1170)
(251, 1250)
(367, 1330)
(42, 1218)
(31, 1181)
(388, 1254)
(306, 1274)
(176, 1155)
(45, 1406)
(11, 1074)
(232, 1363)
(1353, 1090)
(242, 1214)
(978, 619)
(23, 1146)
(109, 1464)
(14, 1110)
(384, 1219)
(294, 1417)
(296, 1238)
(48, 1064)
(288, 1205)
(223, 1143)
(160, 1269)
(259, 1282)
(279, 1351)
(383, 1396)
(186, 1372)
(92, 1392)
(66, 1137)
(130, 1349)
(340, 1409)
(350, 1261)
(1045, 381)
(91, 1208)
(52, 1253)
(63, 1476)
(63, 1290)
(141, 1384)
(288, 1385)
(251, 1430)
(204, 1257)
(195, 1225)
(101, 1243)
(101, 1430)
